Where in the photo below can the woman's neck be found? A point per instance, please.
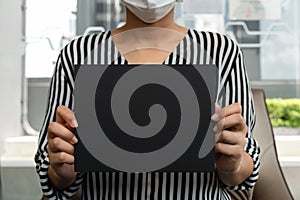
(133, 22)
(142, 43)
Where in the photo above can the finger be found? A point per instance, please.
(217, 107)
(228, 150)
(58, 145)
(228, 137)
(58, 130)
(66, 116)
(232, 109)
(219, 126)
(219, 113)
(234, 122)
(227, 111)
(61, 158)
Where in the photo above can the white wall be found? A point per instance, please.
(10, 68)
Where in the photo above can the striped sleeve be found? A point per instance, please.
(60, 93)
(237, 90)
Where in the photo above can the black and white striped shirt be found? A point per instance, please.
(223, 52)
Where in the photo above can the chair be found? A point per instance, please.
(271, 184)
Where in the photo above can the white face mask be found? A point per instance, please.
(150, 11)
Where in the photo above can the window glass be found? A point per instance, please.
(49, 25)
(267, 32)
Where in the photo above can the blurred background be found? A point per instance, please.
(32, 32)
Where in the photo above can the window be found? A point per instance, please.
(267, 32)
(50, 24)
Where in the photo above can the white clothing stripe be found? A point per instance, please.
(107, 186)
(172, 185)
(136, 186)
(113, 183)
(202, 51)
(239, 97)
(164, 186)
(143, 186)
(233, 88)
(187, 185)
(148, 186)
(82, 48)
(195, 44)
(75, 56)
(120, 185)
(109, 53)
(95, 51)
(156, 185)
(179, 185)
(214, 56)
(69, 73)
(195, 182)
(208, 50)
(94, 186)
(89, 55)
(188, 53)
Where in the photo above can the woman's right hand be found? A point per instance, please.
(61, 142)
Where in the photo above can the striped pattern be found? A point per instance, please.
(195, 48)
(144, 186)
(240, 194)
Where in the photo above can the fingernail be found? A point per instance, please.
(75, 140)
(215, 117)
(215, 129)
(74, 123)
(217, 107)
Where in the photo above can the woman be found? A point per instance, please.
(236, 151)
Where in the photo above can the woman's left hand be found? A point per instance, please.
(231, 130)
